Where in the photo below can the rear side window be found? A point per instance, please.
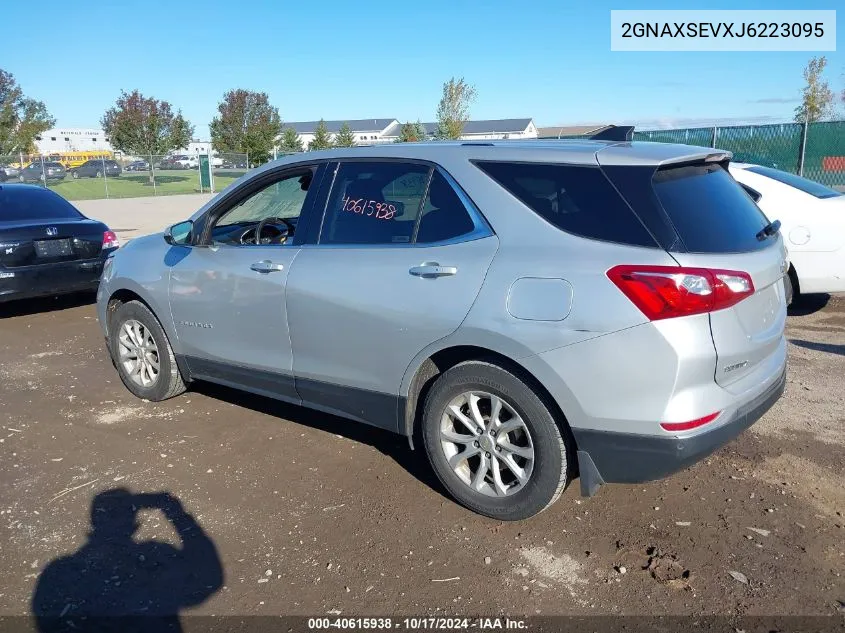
(374, 203)
(709, 210)
(21, 204)
(574, 198)
(444, 216)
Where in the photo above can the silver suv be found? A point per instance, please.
(527, 311)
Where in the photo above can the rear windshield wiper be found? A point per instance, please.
(770, 229)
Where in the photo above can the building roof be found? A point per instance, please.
(488, 126)
(569, 130)
(357, 125)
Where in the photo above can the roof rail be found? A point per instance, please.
(615, 133)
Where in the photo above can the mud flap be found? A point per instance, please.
(590, 477)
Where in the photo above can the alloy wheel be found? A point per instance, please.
(487, 444)
(138, 353)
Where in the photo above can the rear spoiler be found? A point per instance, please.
(615, 133)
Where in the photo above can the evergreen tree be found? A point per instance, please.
(322, 139)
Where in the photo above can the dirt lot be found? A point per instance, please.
(297, 512)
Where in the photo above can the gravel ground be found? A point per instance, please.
(270, 509)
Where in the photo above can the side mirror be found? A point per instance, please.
(179, 234)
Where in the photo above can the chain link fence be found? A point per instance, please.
(94, 175)
(815, 150)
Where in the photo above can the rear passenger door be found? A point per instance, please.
(398, 262)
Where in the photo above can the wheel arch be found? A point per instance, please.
(426, 372)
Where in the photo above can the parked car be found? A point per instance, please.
(137, 165)
(7, 172)
(96, 169)
(184, 162)
(47, 247)
(42, 172)
(812, 220)
(525, 310)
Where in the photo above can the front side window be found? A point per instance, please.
(268, 216)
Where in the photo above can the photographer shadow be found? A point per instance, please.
(114, 583)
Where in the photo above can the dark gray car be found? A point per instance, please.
(41, 172)
(96, 168)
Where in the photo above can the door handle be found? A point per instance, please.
(433, 269)
(266, 266)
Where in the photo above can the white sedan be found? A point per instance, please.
(812, 220)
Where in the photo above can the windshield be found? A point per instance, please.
(802, 184)
(31, 203)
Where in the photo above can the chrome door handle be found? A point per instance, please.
(433, 269)
(266, 266)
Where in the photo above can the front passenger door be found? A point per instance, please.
(227, 295)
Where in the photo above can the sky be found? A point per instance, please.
(550, 60)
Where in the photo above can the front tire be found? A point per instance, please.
(493, 442)
(75, 175)
(142, 354)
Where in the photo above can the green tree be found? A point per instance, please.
(817, 97)
(247, 124)
(344, 137)
(291, 141)
(21, 118)
(140, 126)
(453, 109)
(411, 132)
(322, 139)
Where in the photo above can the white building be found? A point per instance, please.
(72, 140)
(369, 131)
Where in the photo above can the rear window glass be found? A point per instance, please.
(709, 210)
(802, 184)
(33, 203)
(576, 199)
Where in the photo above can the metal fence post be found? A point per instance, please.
(153, 175)
(715, 134)
(803, 148)
(105, 178)
(43, 173)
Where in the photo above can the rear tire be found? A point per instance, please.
(526, 439)
(790, 285)
(99, 174)
(134, 332)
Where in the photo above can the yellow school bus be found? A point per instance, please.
(75, 159)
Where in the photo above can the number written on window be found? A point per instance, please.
(362, 206)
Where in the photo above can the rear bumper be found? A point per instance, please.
(611, 457)
(41, 280)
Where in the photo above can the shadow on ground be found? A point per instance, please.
(26, 307)
(114, 583)
(390, 444)
(804, 305)
(830, 348)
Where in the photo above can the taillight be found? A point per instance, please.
(664, 292)
(110, 240)
(692, 424)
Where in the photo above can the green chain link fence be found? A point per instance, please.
(815, 151)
